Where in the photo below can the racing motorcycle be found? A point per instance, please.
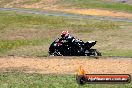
(64, 48)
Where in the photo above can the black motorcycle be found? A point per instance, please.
(64, 48)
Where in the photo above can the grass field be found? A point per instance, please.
(99, 4)
(84, 4)
(104, 8)
(24, 34)
(24, 80)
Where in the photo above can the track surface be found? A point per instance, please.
(66, 14)
(67, 65)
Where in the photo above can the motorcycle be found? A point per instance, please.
(64, 48)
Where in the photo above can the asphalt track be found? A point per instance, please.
(65, 14)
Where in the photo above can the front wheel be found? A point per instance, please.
(93, 52)
(96, 53)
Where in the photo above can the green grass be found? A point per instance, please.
(10, 19)
(97, 4)
(126, 53)
(24, 80)
(6, 45)
(29, 20)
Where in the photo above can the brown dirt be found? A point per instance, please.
(66, 65)
(97, 12)
(40, 4)
(51, 5)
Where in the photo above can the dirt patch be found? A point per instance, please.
(32, 4)
(94, 12)
(66, 65)
(51, 5)
(46, 4)
(97, 12)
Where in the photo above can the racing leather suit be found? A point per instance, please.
(78, 43)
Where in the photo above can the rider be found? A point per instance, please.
(66, 36)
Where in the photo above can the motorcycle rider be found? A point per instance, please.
(67, 37)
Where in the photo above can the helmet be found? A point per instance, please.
(64, 34)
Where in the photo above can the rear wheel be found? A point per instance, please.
(96, 53)
(93, 52)
(55, 53)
